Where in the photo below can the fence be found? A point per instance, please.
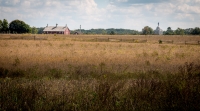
(119, 40)
(129, 40)
(26, 37)
(179, 42)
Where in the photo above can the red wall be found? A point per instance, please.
(67, 32)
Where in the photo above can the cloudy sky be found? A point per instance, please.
(127, 14)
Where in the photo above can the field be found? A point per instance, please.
(99, 72)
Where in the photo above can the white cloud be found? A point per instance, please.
(132, 14)
(15, 1)
(122, 0)
(26, 3)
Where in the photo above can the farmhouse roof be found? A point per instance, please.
(55, 28)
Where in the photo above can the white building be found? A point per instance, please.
(158, 30)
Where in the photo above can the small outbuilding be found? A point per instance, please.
(56, 30)
(158, 30)
(78, 33)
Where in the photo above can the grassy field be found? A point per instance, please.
(82, 73)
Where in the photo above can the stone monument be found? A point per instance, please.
(158, 30)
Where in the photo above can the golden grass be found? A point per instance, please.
(71, 73)
(60, 52)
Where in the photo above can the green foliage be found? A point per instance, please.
(108, 31)
(40, 30)
(34, 30)
(147, 30)
(196, 31)
(4, 26)
(179, 31)
(169, 31)
(1, 26)
(18, 26)
(112, 33)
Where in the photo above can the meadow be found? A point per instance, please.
(81, 73)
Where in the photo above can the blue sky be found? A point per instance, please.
(127, 14)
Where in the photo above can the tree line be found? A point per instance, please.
(145, 31)
(110, 31)
(16, 27)
(179, 31)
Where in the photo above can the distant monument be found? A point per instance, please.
(158, 30)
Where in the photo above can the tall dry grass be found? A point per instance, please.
(117, 57)
(73, 74)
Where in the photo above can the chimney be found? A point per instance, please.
(56, 25)
(47, 25)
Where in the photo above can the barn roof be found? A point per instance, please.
(55, 28)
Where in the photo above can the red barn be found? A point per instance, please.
(56, 30)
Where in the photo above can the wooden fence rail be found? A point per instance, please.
(183, 42)
(28, 37)
(129, 40)
(119, 40)
(192, 42)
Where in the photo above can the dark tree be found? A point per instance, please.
(18, 26)
(169, 31)
(112, 33)
(40, 30)
(147, 30)
(196, 31)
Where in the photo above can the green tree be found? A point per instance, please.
(196, 31)
(18, 26)
(34, 30)
(1, 26)
(179, 31)
(147, 30)
(112, 33)
(40, 30)
(4, 26)
(169, 31)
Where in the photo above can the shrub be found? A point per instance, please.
(160, 41)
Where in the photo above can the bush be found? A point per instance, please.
(160, 41)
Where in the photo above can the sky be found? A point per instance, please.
(94, 14)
